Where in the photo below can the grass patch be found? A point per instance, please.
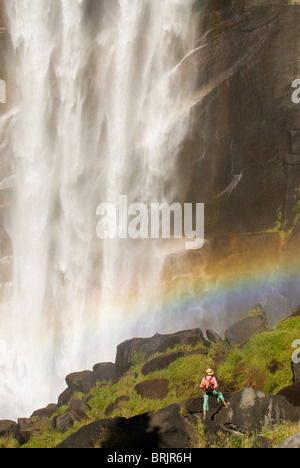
(8, 442)
(259, 352)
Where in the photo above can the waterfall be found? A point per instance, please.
(101, 108)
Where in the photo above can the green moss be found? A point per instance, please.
(296, 210)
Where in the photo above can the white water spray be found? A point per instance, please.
(101, 109)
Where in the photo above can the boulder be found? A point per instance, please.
(254, 322)
(252, 410)
(275, 366)
(292, 394)
(163, 429)
(214, 434)
(9, 429)
(262, 442)
(81, 381)
(193, 405)
(44, 413)
(156, 344)
(28, 426)
(156, 389)
(24, 436)
(64, 422)
(116, 404)
(92, 434)
(65, 397)
(215, 338)
(161, 362)
(24, 423)
(79, 405)
(292, 442)
(105, 371)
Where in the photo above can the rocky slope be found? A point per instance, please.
(149, 398)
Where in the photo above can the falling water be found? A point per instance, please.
(101, 108)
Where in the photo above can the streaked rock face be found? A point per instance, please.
(242, 158)
(237, 156)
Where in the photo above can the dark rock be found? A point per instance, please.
(292, 394)
(251, 411)
(32, 425)
(262, 442)
(81, 381)
(24, 436)
(64, 422)
(105, 371)
(79, 405)
(215, 338)
(9, 429)
(65, 397)
(201, 351)
(92, 434)
(156, 389)
(214, 433)
(24, 424)
(193, 405)
(26, 427)
(275, 366)
(292, 442)
(156, 344)
(165, 428)
(116, 404)
(255, 322)
(44, 412)
(161, 362)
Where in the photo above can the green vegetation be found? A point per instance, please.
(259, 352)
(278, 227)
(184, 376)
(297, 211)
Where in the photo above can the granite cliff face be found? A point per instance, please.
(242, 156)
(239, 164)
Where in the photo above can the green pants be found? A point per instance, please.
(206, 398)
